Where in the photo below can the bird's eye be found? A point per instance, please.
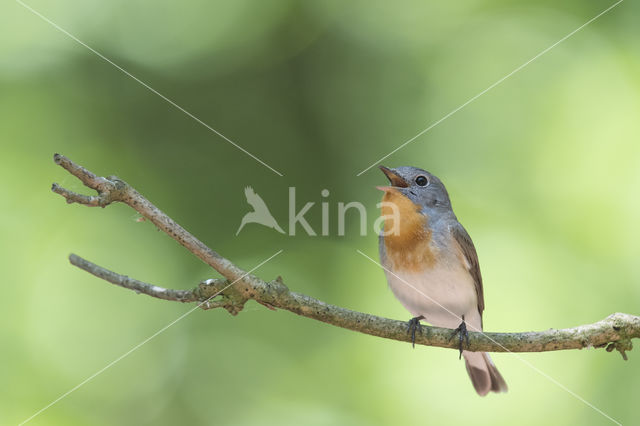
(422, 180)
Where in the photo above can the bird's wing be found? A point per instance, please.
(255, 200)
(469, 252)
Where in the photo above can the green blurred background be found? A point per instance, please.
(543, 171)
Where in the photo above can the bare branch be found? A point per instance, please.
(132, 283)
(614, 332)
(112, 189)
(90, 180)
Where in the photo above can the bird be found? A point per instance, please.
(431, 264)
(260, 213)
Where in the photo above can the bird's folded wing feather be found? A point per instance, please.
(469, 251)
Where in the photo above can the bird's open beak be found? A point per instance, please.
(396, 180)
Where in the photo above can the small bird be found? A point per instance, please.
(260, 213)
(431, 264)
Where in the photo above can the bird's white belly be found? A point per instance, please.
(441, 295)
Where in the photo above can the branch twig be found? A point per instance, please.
(614, 332)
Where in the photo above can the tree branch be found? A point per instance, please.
(614, 332)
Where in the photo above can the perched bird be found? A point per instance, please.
(260, 213)
(432, 266)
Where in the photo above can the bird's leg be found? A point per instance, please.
(462, 333)
(412, 325)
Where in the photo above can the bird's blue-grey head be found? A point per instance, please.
(421, 187)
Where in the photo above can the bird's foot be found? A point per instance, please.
(462, 333)
(412, 326)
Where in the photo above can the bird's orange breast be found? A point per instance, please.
(409, 247)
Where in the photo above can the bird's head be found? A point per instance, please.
(423, 189)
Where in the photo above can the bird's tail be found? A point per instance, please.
(483, 373)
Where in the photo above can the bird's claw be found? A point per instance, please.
(412, 326)
(462, 333)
